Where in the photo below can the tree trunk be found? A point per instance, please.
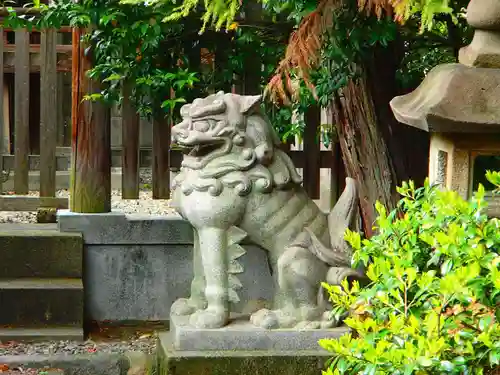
(408, 146)
(364, 151)
(91, 161)
(377, 151)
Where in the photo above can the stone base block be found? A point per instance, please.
(136, 267)
(237, 362)
(240, 334)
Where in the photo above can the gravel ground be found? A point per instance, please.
(146, 344)
(145, 205)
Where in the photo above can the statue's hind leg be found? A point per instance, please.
(299, 274)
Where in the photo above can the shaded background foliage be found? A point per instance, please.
(132, 42)
(305, 53)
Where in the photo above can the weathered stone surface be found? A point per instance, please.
(31, 302)
(238, 362)
(483, 52)
(97, 364)
(484, 14)
(140, 363)
(453, 98)
(46, 215)
(135, 269)
(116, 228)
(27, 251)
(41, 334)
(240, 334)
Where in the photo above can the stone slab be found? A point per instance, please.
(41, 334)
(29, 251)
(28, 302)
(237, 362)
(140, 282)
(117, 228)
(96, 364)
(120, 229)
(135, 266)
(240, 334)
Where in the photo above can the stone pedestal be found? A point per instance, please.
(241, 348)
(237, 362)
(136, 266)
(240, 334)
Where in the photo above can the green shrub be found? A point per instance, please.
(431, 306)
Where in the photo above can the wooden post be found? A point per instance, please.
(253, 67)
(3, 148)
(48, 120)
(130, 146)
(312, 152)
(91, 140)
(161, 156)
(222, 61)
(22, 108)
(335, 168)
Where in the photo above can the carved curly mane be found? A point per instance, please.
(251, 158)
(268, 153)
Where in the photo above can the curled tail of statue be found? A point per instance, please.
(343, 215)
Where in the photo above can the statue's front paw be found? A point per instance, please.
(183, 307)
(264, 319)
(209, 318)
(273, 319)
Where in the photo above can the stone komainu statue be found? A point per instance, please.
(235, 182)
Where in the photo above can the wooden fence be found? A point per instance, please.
(31, 135)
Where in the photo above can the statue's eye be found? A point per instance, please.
(201, 126)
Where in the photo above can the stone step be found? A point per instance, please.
(29, 302)
(236, 362)
(36, 250)
(41, 334)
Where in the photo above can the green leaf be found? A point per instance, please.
(458, 361)
(447, 366)
(113, 77)
(446, 267)
(424, 361)
(494, 357)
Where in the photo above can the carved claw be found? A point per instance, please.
(183, 307)
(273, 319)
(209, 319)
(265, 319)
(308, 325)
(288, 318)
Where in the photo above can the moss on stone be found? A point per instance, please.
(171, 362)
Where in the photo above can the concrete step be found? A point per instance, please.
(29, 302)
(37, 250)
(41, 334)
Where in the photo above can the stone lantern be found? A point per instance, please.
(459, 104)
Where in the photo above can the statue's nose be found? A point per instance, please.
(180, 130)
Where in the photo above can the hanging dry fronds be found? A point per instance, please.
(304, 46)
(378, 7)
(302, 53)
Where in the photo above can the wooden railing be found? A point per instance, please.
(22, 152)
(29, 115)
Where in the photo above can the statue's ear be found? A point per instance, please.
(249, 102)
(185, 110)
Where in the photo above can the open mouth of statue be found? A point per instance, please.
(200, 150)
